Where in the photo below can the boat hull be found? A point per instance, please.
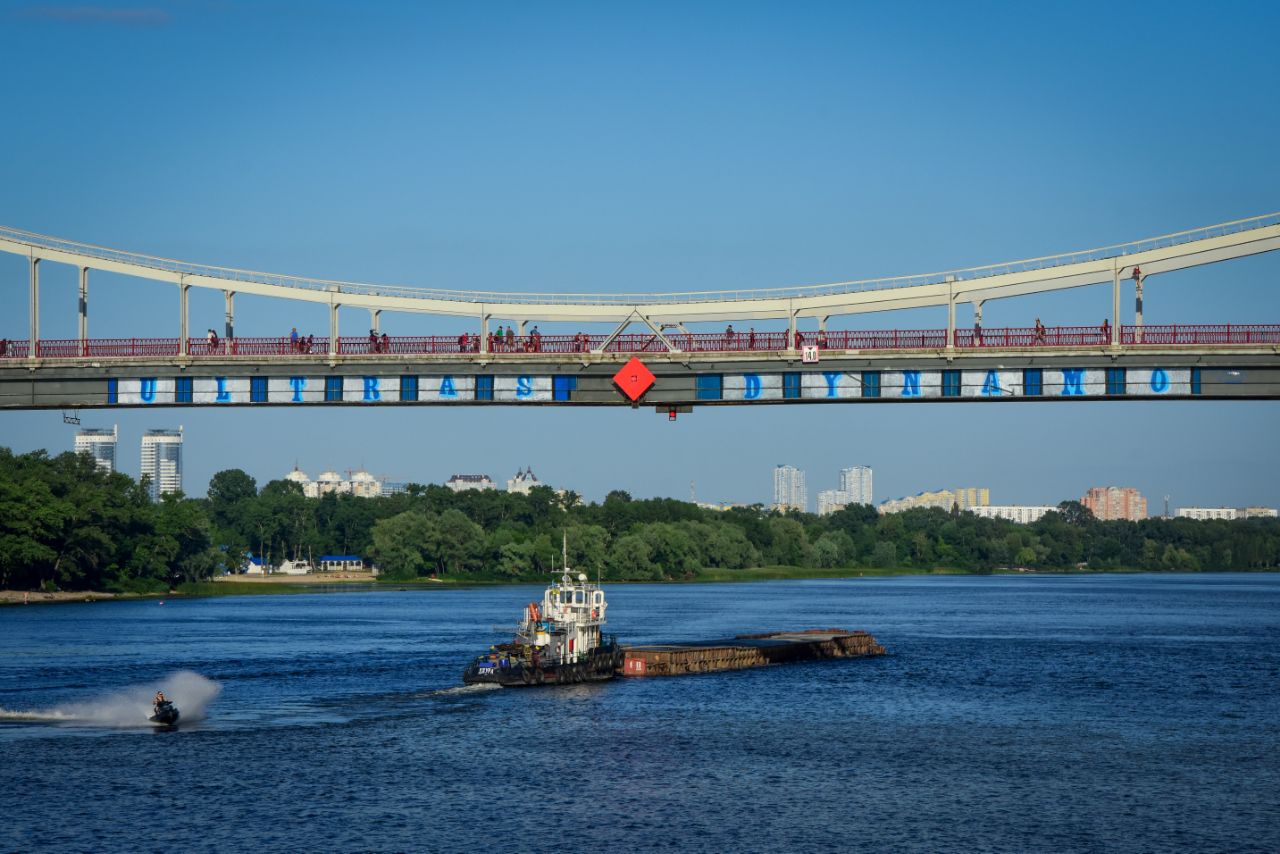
(600, 665)
(166, 715)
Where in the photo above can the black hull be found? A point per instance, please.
(599, 666)
(167, 716)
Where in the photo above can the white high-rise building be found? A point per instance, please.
(830, 500)
(162, 461)
(855, 483)
(100, 444)
(1023, 514)
(789, 493)
(855, 488)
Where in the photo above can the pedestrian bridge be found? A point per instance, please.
(737, 365)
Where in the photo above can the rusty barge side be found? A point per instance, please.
(744, 651)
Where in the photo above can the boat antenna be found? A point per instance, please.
(565, 553)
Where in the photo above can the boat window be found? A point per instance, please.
(577, 597)
(599, 597)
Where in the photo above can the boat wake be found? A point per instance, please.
(128, 707)
(459, 691)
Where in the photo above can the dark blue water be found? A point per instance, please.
(1113, 713)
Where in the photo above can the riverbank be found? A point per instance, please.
(241, 585)
(40, 597)
(238, 585)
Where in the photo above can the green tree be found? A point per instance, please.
(885, 556)
(790, 543)
(400, 545)
(455, 541)
(629, 560)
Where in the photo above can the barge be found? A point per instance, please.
(561, 641)
(746, 651)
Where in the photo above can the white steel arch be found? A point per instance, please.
(1163, 254)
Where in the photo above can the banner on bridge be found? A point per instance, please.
(814, 385)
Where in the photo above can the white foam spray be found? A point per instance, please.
(460, 690)
(130, 707)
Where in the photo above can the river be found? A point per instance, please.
(1030, 713)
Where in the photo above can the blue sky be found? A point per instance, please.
(642, 147)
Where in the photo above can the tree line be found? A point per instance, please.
(64, 524)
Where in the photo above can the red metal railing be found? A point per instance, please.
(14, 349)
(647, 342)
(1226, 333)
(1046, 336)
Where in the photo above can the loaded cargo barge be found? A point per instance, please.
(561, 641)
(745, 651)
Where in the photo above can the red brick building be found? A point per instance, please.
(1116, 502)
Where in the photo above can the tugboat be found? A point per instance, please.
(558, 642)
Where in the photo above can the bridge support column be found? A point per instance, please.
(230, 331)
(1138, 279)
(951, 312)
(33, 346)
(375, 320)
(184, 291)
(333, 329)
(484, 331)
(520, 328)
(84, 311)
(791, 329)
(1115, 308)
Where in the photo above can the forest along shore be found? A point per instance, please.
(66, 525)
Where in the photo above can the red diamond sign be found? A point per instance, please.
(634, 379)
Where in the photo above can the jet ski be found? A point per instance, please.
(166, 714)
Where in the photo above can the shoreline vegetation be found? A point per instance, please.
(68, 527)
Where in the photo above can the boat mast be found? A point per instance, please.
(564, 554)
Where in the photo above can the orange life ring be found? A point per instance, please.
(535, 614)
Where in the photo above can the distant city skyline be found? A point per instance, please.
(196, 485)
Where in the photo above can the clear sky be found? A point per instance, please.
(652, 146)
